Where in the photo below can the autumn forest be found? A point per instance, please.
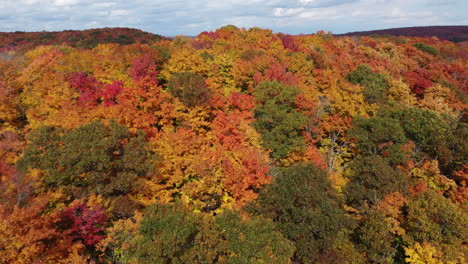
(234, 146)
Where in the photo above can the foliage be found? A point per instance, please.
(451, 33)
(373, 178)
(306, 209)
(375, 84)
(423, 253)
(84, 223)
(94, 158)
(431, 132)
(190, 88)
(254, 240)
(277, 120)
(426, 48)
(119, 147)
(375, 239)
(171, 233)
(93, 92)
(77, 38)
(433, 218)
(379, 136)
(29, 234)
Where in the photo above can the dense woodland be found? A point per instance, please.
(90, 38)
(451, 33)
(236, 146)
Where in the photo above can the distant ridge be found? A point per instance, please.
(451, 33)
(89, 38)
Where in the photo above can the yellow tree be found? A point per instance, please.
(9, 91)
(185, 59)
(423, 253)
(29, 234)
(44, 89)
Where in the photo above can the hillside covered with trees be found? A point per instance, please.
(236, 146)
(451, 33)
(89, 38)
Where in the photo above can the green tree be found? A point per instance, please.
(374, 238)
(426, 128)
(253, 241)
(277, 119)
(435, 219)
(190, 89)
(375, 84)
(372, 178)
(93, 158)
(426, 48)
(432, 133)
(173, 234)
(458, 146)
(379, 136)
(306, 209)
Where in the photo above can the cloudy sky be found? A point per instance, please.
(176, 17)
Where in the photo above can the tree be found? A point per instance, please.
(254, 240)
(243, 161)
(9, 111)
(426, 48)
(44, 88)
(435, 219)
(94, 158)
(344, 98)
(373, 178)
(80, 222)
(374, 238)
(306, 209)
(375, 84)
(184, 59)
(277, 119)
(278, 73)
(16, 188)
(173, 234)
(382, 136)
(429, 173)
(29, 234)
(93, 92)
(419, 80)
(431, 132)
(423, 253)
(190, 89)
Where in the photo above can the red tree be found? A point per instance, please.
(84, 223)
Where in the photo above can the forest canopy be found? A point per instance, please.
(234, 146)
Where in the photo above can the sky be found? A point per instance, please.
(175, 17)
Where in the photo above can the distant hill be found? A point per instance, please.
(451, 33)
(77, 38)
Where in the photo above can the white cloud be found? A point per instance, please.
(319, 14)
(280, 12)
(92, 24)
(66, 2)
(325, 3)
(256, 2)
(119, 12)
(103, 4)
(101, 13)
(176, 17)
(197, 25)
(31, 2)
(305, 2)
